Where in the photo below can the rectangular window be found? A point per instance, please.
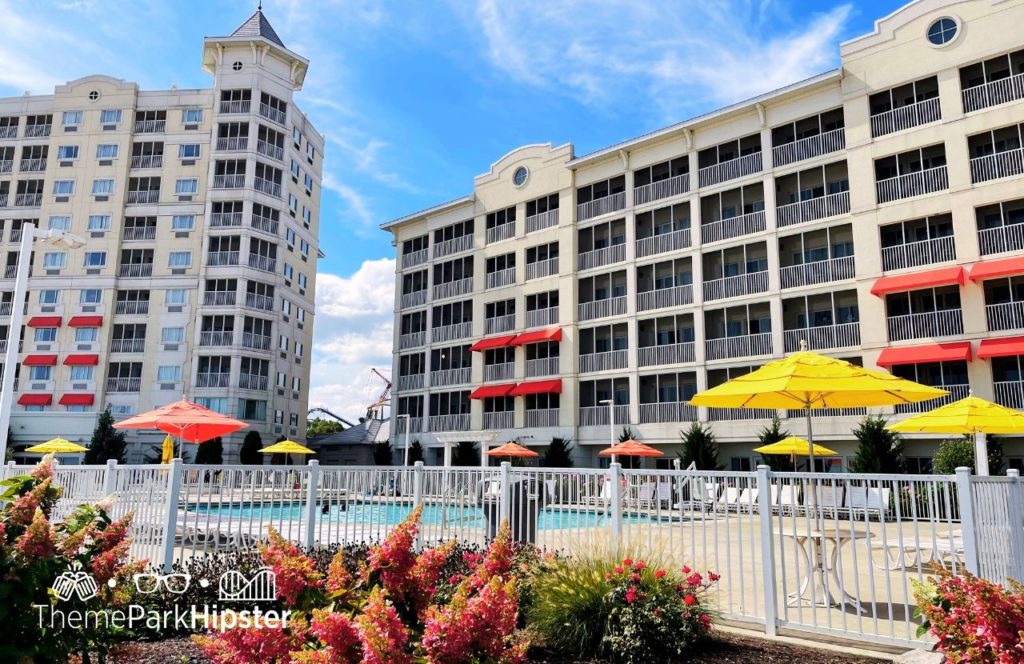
(282, 343)
(86, 335)
(307, 215)
(106, 151)
(303, 280)
(59, 223)
(40, 373)
(95, 258)
(303, 247)
(67, 152)
(296, 383)
(293, 202)
(110, 117)
(216, 404)
(176, 296)
(289, 237)
(286, 307)
(295, 168)
(168, 374)
(71, 118)
(99, 222)
(296, 136)
(183, 222)
(298, 349)
(189, 151)
(63, 187)
(186, 186)
(82, 373)
(45, 335)
(278, 417)
(310, 150)
(55, 260)
(282, 379)
(179, 259)
(102, 187)
(293, 420)
(172, 335)
(308, 181)
(289, 271)
(192, 115)
(90, 296)
(49, 296)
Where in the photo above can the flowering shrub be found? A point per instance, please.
(973, 619)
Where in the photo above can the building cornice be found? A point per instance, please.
(443, 207)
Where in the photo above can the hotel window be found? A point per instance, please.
(186, 186)
(176, 297)
(126, 408)
(295, 168)
(55, 260)
(278, 417)
(40, 373)
(296, 383)
(189, 151)
(179, 259)
(283, 343)
(106, 151)
(86, 335)
(172, 335)
(300, 315)
(95, 258)
(252, 409)
(99, 222)
(67, 152)
(110, 117)
(49, 296)
(44, 335)
(59, 223)
(71, 118)
(293, 202)
(307, 215)
(282, 380)
(102, 187)
(192, 115)
(298, 349)
(296, 136)
(286, 307)
(82, 373)
(216, 404)
(90, 296)
(63, 187)
(168, 374)
(289, 271)
(293, 420)
(304, 248)
(289, 237)
(310, 150)
(308, 180)
(303, 280)
(183, 222)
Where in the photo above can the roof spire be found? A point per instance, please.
(259, 7)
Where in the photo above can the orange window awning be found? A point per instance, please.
(77, 400)
(44, 321)
(538, 387)
(40, 360)
(85, 321)
(81, 360)
(960, 350)
(35, 399)
(1001, 347)
(1007, 267)
(946, 276)
(493, 342)
(491, 391)
(538, 336)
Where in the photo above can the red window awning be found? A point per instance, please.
(85, 321)
(35, 399)
(538, 387)
(44, 321)
(493, 342)
(77, 400)
(1001, 347)
(40, 360)
(538, 336)
(946, 276)
(1007, 267)
(490, 391)
(81, 360)
(960, 350)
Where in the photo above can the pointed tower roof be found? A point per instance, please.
(257, 25)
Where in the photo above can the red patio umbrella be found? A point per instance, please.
(186, 420)
(630, 448)
(512, 450)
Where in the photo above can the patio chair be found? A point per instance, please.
(747, 500)
(552, 488)
(868, 501)
(828, 499)
(645, 495)
(910, 552)
(702, 494)
(664, 494)
(730, 497)
(789, 499)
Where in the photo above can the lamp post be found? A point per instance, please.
(28, 236)
(405, 462)
(611, 423)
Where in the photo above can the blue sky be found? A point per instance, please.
(417, 97)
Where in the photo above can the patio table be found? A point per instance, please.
(818, 561)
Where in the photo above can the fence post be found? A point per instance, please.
(10, 470)
(171, 513)
(312, 483)
(1015, 504)
(615, 494)
(966, 504)
(417, 498)
(764, 510)
(503, 506)
(109, 478)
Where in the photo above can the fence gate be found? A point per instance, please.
(998, 506)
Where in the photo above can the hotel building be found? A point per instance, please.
(200, 214)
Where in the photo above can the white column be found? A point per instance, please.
(14, 333)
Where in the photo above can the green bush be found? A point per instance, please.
(952, 454)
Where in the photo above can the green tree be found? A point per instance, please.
(321, 427)
(250, 452)
(382, 453)
(107, 442)
(557, 455)
(466, 454)
(773, 433)
(956, 452)
(699, 448)
(996, 460)
(211, 452)
(627, 434)
(415, 452)
(879, 450)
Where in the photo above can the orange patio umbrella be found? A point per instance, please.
(186, 420)
(512, 450)
(630, 448)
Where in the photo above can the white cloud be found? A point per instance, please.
(369, 291)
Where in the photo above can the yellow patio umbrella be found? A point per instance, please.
(57, 446)
(970, 416)
(167, 451)
(806, 380)
(287, 447)
(794, 446)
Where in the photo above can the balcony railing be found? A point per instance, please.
(145, 197)
(742, 346)
(127, 345)
(453, 288)
(6, 165)
(499, 278)
(500, 232)
(1001, 238)
(252, 382)
(222, 258)
(612, 306)
(538, 222)
(810, 147)
(150, 126)
(606, 361)
(412, 340)
(603, 256)
(135, 270)
(10, 271)
(544, 268)
(726, 414)
(411, 382)
(499, 420)
(9, 131)
(139, 233)
(124, 384)
(447, 247)
(452, 332)
(844, 335)
(599, 206)
(744, 224)
(264, 263)
(827, 412)
(503, 371)
(417, 257)
(459, 422)
(219, 298)
(225, 219)
(233, 143)
(730, 170)
(664, 243)
(263, 224)
(912, 184)
(5, 309)
(213, 380)
(652, 356)
(741, 284)
(231, 181)
(542, 317)
(945, 323)
(914, 254)
(676, 296)
(3, 199)
(268, 187)
(542, 417)
(36, 131)
(542, 366)
(414, 299)
(822, 207)
(412, 424)
(667, 412)
(255, 341)
(273, 114)
(655, 191)
(270, 150)
(905, 117)
(132, 307)
(818, 272)
(998, 165)
(28, 200)
(956, 392)
(235, 106)
(1004, 316)
(446, 377)
(216, 338)
(1010, 393)
(258, 301)
(592, 416)
(32, 165)
(497, 324)
(993, 93)
(147, 161)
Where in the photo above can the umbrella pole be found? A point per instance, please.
(810, 439)
(981, 453)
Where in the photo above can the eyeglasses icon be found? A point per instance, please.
(147, 584)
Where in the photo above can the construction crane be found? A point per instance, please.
(313, 411)
(376, 409)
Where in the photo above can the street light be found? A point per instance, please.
(406, 416)
(611, 423)
(28, 235)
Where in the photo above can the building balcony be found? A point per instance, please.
(147, 197)
(912, 184)
(37, 131)
(235, 106)
(412, 340)
(448, 247)
(447, 377)
(219, 298)
(417, 257)
(32, 165)
(500, 278)
(500, 232)
(270, 150)
(275, 115)
(542, 417)
(652, 413)
(652, 356)
(612, 306)
(150, 126)
(132, 307)
(453, 288)
(258, 301)
(147, 161)
(542, 317)
(998, 165)
(233, 144)
(6, 165)
(500, 420)
(503, 371)
(3, 199)
(818, 272)
(214, 258)
(225, 219)
(411, 382)
(414, 299)
(540, 269)
(915, 254)
(137, 233)
(741, 284)
(675, 296)
(5, 310)
(255, 341)
(827, 412)
(727, 414)
(741, 346)
(597, 207)
(1005, 316)
(124, 384)
(664, 243)
(127, 345)
(28, 200)
(263, 263)
(745, 224)
(408, 424)
(268, 187)
(9, 131)
(542, 366)
(252, 382)
(606, 361)
(216, 338)
(459, 422)
(497, 324)
(264, 224)
(810, 147)
(592, 416)
(730, 170)
(233, 181)
(823, 337)
(905, 117)
(1010, 393)
(452, 332)
(604, 256)
(1001, 238)
(993, 93)
(956, 392)
(538, 222)
(10, 271)
(213, 380)
(945, 323)
(15, 235)
(135, 270)
(655, 191)
(822, 207)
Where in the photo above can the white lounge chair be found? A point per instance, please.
(789, 498)
(730, 497)
(747, 499)
(828, 499)
(868, 500)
